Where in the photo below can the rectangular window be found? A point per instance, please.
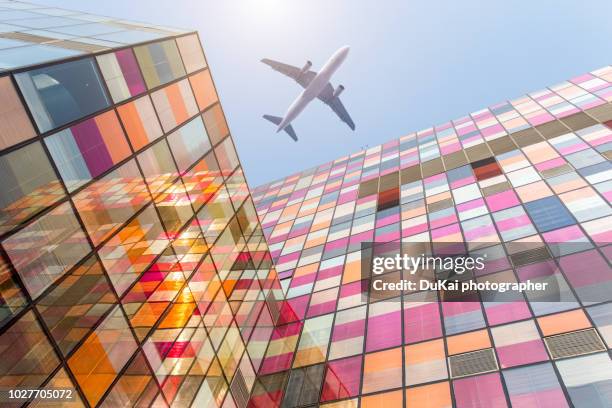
(313, 344)
(107, 203)
(140, 122)
(226, 155)
(160, 62)
(174, 104)
(480, 391)
(203, 180)
(425, 362)
(534, 384)
(98, 361)
(31, 358)
(189, 143)
(59, 94)
(123, 256)
(12, 299)
(191, 52)
(29, 185)
(88, 149)
(382, 370)
(135, 386)
(203, 89)
(158, 167)
(174, 208)
(45, 249)
(587, 379)
(215, 123)
(122, 75)
(85, 289)
(15, 125)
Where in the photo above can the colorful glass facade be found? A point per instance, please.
(532, 170)
(133, 267)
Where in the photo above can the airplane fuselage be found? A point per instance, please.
(314, 88)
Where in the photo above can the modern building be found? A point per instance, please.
(536, 171)
(133, 268)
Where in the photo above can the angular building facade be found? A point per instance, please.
(534, 171)
(133, 268)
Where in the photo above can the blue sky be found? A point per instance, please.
(411, 65)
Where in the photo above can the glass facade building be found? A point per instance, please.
(136, 269)
(133, 269)
(536, 171)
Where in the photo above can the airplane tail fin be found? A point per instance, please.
(276, 120)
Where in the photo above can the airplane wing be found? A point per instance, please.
(292, 72)
(334, 102)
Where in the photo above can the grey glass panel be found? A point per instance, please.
(130, 37)
(33, 54)
(6, 15)
(88, 29)
(62, 93)
(46, 22)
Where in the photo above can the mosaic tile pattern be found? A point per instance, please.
(535, 169)
(133, 268)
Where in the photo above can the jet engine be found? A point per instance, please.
(338, 91)
(306, 67)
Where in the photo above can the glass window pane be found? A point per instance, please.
(61, 93)
(483, 390)
(45, 249)
(15, 125)
(425, 362)
(314, 341)
(87, 149)
(174, 208)
(136, 386)
(226, 155)
(202, 180)
(189, 143)
(122, 75)
(588, 379)
(12, 299)
(191, 52)
(160, 63)
(72, 308)
(215, 124)
(129, 36)
(382, 370)
(126, 255)
(140, 122)
(534, 384)
(27, 356)
(33, 54)
(174, 104)
(29, 185)
(107, 203)
(203, 89)
(158, 167)
(96, 363)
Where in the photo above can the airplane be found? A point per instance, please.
(316, 85)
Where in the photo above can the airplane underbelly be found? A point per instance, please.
(297, 107)
(318, 83)
(311, 92)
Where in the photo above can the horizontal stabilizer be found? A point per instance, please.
(276, 120)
